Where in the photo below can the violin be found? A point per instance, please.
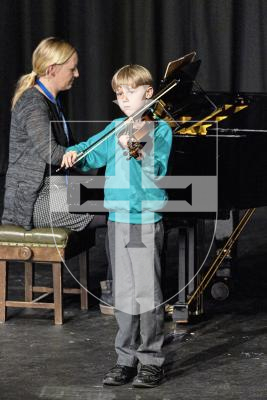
(135, 144)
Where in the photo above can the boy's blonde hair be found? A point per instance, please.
(133, 75)
(50, 51)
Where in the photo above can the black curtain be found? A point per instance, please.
(229, 36)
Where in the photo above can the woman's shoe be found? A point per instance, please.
(106, 306)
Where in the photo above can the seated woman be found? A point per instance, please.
(37, 145)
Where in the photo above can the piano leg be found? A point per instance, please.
(187, 265)
(192, 238)
(223, 280)
(180, 308)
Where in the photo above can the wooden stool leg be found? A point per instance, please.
(3, 290)
(57, 286)
(28, 281)
(83, 258)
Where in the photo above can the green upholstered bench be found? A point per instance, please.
(43, 245)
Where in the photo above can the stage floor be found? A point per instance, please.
(224, 356)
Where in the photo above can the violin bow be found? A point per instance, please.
(123, 124)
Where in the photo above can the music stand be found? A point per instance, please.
(174, 66)
(179, 101)
(184, 69)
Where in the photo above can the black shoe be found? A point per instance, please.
(149, 376)
(119, 375)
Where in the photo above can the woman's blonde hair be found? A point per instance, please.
(50, 51)
(133, 75)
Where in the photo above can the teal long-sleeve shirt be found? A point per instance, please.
(131, 191)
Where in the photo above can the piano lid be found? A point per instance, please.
(190, 110)
(254, 117)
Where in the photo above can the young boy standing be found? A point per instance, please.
(135, 229)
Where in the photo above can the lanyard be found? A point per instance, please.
(57, 104)
(59, 110)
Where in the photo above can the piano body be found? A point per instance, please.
(242, 162)
(213, 134)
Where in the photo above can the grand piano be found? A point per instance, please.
(214, 134)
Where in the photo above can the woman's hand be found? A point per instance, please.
(69, 159)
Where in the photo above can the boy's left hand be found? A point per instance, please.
(123, 140)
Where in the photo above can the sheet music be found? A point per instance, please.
(176, 64)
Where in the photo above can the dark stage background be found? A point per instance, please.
(229, 36)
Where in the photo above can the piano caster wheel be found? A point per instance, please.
(220, 291)
(180, 313)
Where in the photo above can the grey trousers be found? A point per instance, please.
(135, 259)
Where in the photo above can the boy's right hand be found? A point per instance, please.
(69, 159)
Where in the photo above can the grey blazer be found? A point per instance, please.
(34, 144)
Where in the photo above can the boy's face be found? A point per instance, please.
(132, 99)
